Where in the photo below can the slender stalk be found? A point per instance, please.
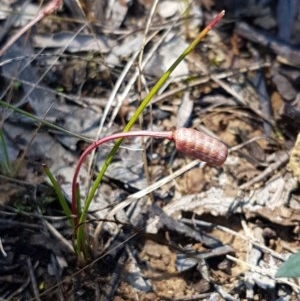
(90, 148)
(47, 10)
(81, 245)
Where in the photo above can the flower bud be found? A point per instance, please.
(200, 146)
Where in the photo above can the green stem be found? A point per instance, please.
(146, 101)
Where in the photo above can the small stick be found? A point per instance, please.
(47, 10)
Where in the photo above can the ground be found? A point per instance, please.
(162, 225)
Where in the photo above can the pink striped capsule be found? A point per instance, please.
(200, 146)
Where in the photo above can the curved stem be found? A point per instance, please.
(90, 148)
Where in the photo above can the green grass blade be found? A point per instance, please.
(140, 109)
(5, 163)
(42, 121)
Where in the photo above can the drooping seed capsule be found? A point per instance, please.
(200, 146)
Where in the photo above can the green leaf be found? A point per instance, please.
(60, 196)
(290, 268)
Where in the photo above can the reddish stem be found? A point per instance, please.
(90, 148)
(219, 16)
(47, 10)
